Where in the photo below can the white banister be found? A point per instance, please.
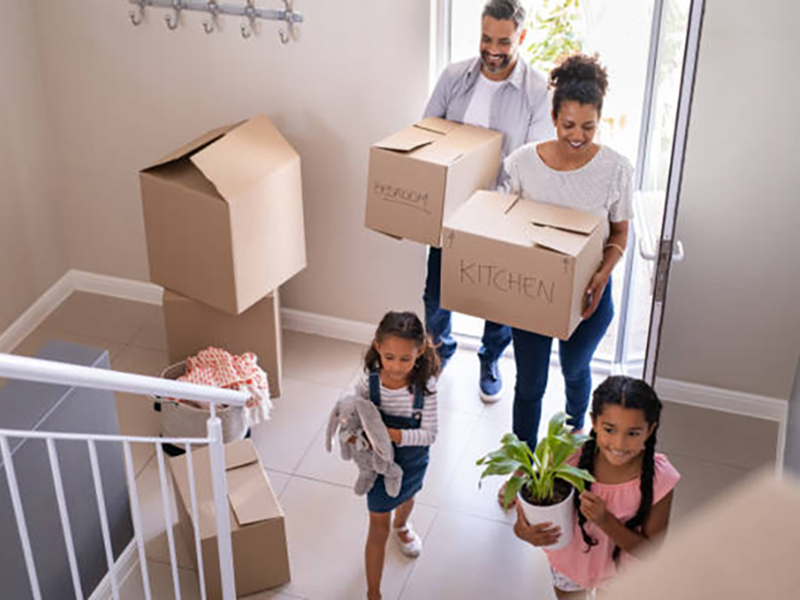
(44, 371)
(136, 515)
(101, 509)
(220, 489)
(19, 514)
(165, 504)
(55, 468)
(48, 371)
(201, 576)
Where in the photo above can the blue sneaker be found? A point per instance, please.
(491, 382)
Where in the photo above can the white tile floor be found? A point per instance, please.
(470, 551)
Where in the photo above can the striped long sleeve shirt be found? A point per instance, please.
(400, 403)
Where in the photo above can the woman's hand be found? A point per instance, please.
(541, 534)
(396, 435)
(594, 292)
(593, 508)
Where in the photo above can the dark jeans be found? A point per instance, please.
(532, 355)
(438, 321)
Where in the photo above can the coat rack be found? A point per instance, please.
(249, 12)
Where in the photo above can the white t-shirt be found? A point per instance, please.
(480, 105)
(603, 186)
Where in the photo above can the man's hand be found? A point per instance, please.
(541, 534)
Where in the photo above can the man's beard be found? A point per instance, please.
(495, 68)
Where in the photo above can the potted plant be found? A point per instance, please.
(543, 480)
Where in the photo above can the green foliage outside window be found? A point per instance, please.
(551, 32)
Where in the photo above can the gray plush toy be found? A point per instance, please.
(364, 439)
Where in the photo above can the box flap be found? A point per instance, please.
(239, 454)
(244, 157)
(409, 139)
(560, 217)
(438, 125)
(199, 142)
(250, 496)
(565, 242)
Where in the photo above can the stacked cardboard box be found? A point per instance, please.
(258, 532)
(521, 263)
(224, 222)
(420, 175)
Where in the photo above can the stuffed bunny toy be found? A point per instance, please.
(364, 439)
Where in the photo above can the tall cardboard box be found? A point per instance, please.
(419, 176)
(224, 216)
(521, 263)
(258, 532)
(192, 326)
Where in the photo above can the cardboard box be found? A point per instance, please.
(224, 216)
(520, 263)
(258, 533)
(741, 546)
(419, 176)
(192, 326)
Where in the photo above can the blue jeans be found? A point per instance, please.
(532, 355)
(438, 320)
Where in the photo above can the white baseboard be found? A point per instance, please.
(127, 562)
(36, 314)
(117, 287)
(730, 401)
(332, 327)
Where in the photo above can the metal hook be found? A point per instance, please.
(137, 16)
(177, 6)
(290, 33)
(213, 8)
(250, 13)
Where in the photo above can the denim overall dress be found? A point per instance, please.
(412, 459)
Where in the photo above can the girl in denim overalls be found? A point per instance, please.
(400, 370)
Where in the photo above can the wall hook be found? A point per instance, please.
(172, 23)
(290, 32)
(250, 12)
(213, 9)
(137, 16)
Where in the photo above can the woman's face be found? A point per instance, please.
(576, 125)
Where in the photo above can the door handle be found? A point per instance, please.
(678, 253)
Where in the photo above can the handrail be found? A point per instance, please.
(48, 371)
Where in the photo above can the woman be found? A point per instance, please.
(575, 172)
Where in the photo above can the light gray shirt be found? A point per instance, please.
(520, 108)
(603, 186)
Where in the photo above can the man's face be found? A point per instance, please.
(500, 42)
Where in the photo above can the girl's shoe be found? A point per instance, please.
(411, 549)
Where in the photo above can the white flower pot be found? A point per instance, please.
(561, 514)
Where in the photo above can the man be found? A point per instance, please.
(500, 91)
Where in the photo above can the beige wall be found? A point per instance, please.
(122, 96)
(31, 245)
(732, 317)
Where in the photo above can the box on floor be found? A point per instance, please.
(224, 216)
(193, 326)
(258, 532)
(521, 263)
(420, 175)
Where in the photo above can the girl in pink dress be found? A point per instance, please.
(629, 504)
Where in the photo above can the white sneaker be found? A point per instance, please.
(411, 549)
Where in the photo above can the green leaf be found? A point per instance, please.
(575, 472)
(513, 486)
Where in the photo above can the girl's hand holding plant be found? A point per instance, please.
(541, 534)
(594, 508)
